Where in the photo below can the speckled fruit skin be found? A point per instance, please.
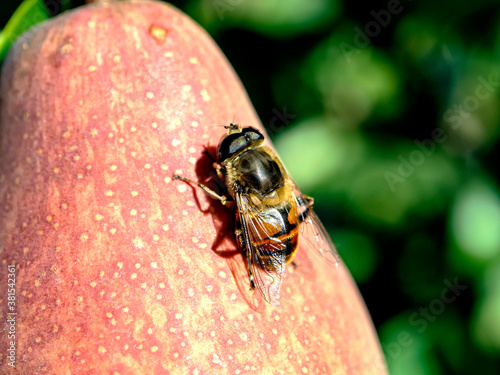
(115, 267)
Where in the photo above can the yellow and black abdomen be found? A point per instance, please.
(279, 232)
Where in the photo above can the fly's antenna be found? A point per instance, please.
(232, 125)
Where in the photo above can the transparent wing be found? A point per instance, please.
(313, 231)
(267, 266)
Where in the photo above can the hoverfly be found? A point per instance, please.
(270, 210)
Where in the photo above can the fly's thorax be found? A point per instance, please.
(255, 171)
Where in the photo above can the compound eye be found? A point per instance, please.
(252, 134)
(234, 143)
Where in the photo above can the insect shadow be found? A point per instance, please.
(224, 244)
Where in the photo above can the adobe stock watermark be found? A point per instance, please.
(424, 316)
(363, 37)
(279, 121)
(223, 6)
(454, 116)
(471, 103)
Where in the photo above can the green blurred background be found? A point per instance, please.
(387, 113)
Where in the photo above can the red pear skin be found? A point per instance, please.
(114, 262)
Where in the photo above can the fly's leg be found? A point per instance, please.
(250, 273)
(309, 200)
(212, 194)
(241, 245)
(220, 171)
(218, 167)
(306, 203)
(210, 156)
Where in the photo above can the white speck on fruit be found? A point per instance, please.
(138, 243)
(222, 274)
(193, 60)
(150, 95)
(192, 160)
(178, 316)
(194, 124)
(186, 88)
(182, 188)
(190, 204)
(176, 142)
(204, 95)
(168, 54)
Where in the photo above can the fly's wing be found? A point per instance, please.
(268, 268)
(313, 231)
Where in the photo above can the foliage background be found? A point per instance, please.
(387, 112)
